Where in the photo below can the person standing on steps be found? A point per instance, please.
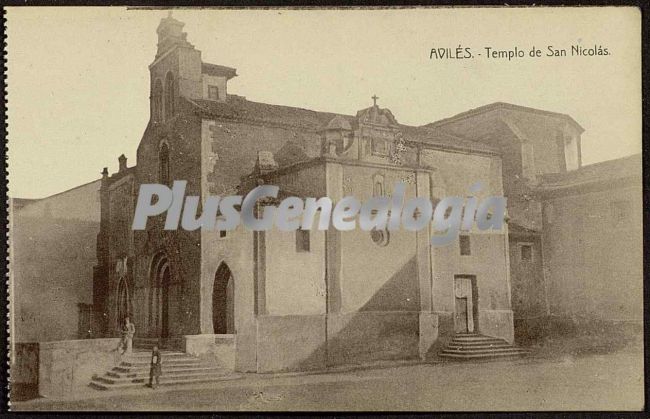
(155, 371)
(128, 331)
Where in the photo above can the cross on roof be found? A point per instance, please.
(374, 100)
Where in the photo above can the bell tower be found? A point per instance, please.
(175, 71)
(170, 34)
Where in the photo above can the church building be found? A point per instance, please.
(309, 299)
(303, 299)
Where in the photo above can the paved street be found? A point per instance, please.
(596, 382)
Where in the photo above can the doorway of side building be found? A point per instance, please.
(466, 304)
(223, 301)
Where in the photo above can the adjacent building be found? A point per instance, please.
(575, 232)
(53, 253)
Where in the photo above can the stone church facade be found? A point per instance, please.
(310, 299)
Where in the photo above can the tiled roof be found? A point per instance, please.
(501, 105)
(514, 228)
(218, 70)
(437, 138)
(241, 109)
(624, 167)
(238, 108)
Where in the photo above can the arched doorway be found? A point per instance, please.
(223, 301)
(123, 301)
(159, 297)
(164, 284)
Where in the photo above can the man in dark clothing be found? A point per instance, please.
(156, 367)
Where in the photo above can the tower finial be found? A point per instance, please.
(374, 100)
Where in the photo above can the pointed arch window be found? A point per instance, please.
(163, 164)
(170, 89)
(157, 101)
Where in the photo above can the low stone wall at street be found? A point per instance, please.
(65, 366)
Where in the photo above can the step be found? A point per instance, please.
(168, 360)
(122, 371)
(165, 377)
(139, 366)
(484, 356)
(478, 342)
(478, 347)
(170, 368)
(163, 355)
(483, 352)
(474, 338)
(196, 380)
(147, 358)
(113, 380)
(493, 349)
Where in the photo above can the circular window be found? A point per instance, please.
(380, 237)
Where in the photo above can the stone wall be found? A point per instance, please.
(66, 366)
(180, 247)
(51, 273)
(585, 244)
(528, 283)
(318, 341)
(216, 347)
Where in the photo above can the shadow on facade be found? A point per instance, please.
(386, 327)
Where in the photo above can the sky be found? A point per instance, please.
(78, 83)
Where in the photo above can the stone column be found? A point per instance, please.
(259, 249)
(334, 190)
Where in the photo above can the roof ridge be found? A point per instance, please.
(314, 120)
(501, 105)
(58, 193)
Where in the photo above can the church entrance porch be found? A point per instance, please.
(159, 298)
(466, 304)
(124, 307)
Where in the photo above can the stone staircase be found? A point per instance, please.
(163, 343)
(177, 368)
(474, 346)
